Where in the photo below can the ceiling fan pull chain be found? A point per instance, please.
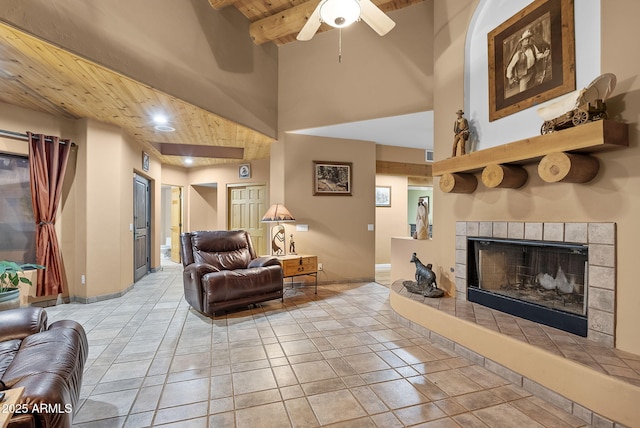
(340, 45)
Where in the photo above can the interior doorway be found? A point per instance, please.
(176, 222)
(171, 222)
(247, 205)
(141, 227)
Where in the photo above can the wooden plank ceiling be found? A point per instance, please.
(279, 21)
(39, 76)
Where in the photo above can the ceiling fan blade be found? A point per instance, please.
(377, 19)
(311, 26)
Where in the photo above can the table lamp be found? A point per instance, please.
(278, 213)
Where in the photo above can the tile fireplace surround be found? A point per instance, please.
(601, 240)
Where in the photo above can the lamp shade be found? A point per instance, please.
(340, 13)
(277, 213)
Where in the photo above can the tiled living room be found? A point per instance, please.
(360, 352)
(339, 358)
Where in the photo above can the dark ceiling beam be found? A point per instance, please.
(286, 23)
(281, 26)
(200, 151)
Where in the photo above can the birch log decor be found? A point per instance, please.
(504, 176)
(458, 183)
(568, 168)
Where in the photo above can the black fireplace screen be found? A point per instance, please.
(551, 275)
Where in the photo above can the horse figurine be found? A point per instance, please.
(425, 280)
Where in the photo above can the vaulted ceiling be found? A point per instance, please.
(279, 21)
(42, 77)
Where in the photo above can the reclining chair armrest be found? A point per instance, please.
(263, 262)
(192, 280)
(200, 269)
(22, 322)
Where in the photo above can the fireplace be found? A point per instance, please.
(540, 281)
(594, 284)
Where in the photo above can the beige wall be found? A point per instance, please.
(451, 22)
(223, 176)
(203, 208)
(184, 48)
(174, 176)
(97, 202)
(400, 154)
(378, 76)
(338, 232)
(613, 195)
(107, 205)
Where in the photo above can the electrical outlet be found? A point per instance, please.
(83, 280)
(320, 267)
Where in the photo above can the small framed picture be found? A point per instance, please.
(332, 178)
(244, 170)
(383, 196)
(145, 161)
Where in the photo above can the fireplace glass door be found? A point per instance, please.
(547, 278)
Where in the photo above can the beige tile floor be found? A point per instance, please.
(332, 359)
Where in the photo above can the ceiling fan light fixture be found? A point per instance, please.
(340, 13)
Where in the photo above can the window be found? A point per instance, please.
(17, 228)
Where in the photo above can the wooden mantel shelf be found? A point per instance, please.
(590, 137)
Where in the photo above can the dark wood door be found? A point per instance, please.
(141, 227)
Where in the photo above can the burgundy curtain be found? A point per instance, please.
(48, 158)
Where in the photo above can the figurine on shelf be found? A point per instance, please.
(422, 221)
(461, 134)
(425, 282)
(292, 245)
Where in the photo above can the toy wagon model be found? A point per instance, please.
(586, 105)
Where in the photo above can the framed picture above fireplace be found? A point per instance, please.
(531, 57)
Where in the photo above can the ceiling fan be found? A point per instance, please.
(340, 13)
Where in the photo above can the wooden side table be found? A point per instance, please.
(9, 404)
(298, 265)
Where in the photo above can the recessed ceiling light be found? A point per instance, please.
(164, 128)
(188, 161)
(160, 119)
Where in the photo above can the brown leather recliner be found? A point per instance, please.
(48, 361)
(221, 271)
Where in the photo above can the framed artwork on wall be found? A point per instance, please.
(244, 170)
(531, 57)
(383, 196)
(332, 178)
(145, 162)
